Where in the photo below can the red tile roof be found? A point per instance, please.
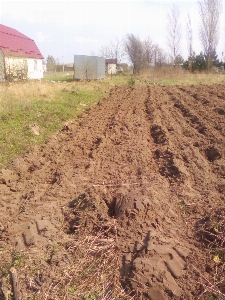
(14, 43)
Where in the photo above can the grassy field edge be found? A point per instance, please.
(31, 112)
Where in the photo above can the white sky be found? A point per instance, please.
(65, 28)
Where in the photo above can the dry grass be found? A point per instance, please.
(211, 232)
(181, 76)
(95, 274)
(27, 92)
(31, 91)
(83, 264)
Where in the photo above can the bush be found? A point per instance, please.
(131, 81)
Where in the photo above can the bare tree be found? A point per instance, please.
(135, 51)
(149, 51)
(174, 32)
(209, 11)
(160, 57)
(189, 35)
(113, 50)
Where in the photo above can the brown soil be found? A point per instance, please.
(148, 159)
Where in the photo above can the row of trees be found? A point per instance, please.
(143, 54)
(209, 11)
(200, 62)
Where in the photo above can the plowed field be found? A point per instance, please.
(149, 159)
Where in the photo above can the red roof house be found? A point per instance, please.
(18, 49)
(14, 43)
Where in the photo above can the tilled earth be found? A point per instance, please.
(149, 159)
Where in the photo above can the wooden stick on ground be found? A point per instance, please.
(15, 284)
(4, 289)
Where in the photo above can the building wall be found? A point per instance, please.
(29, 67)
(111, 69)
(35, 68)
(2, 69)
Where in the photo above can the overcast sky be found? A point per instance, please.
(65, 28)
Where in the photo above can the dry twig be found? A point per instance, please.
(4, 289)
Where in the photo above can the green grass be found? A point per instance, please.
(68, 77)
(17, 117)
(59, 76)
